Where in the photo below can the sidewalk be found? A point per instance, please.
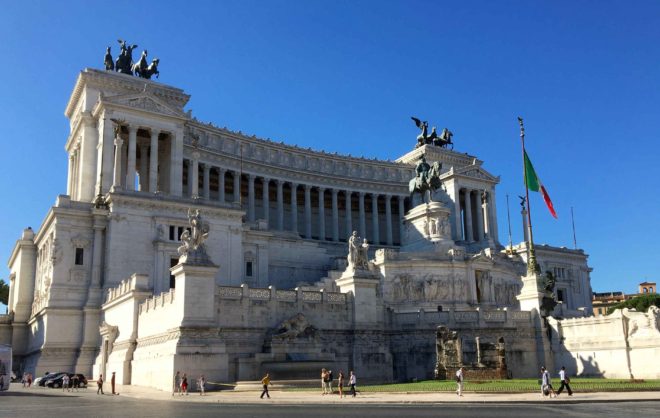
(297, 398)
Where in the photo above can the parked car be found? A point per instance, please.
(41, 380)
(47, 379)
(56, 382)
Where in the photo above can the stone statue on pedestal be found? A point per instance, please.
(192, 249)
(358, 254)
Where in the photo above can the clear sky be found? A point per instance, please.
(346, 76)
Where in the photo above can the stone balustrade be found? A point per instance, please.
(271, 293)
(451, 318)
(139, 282)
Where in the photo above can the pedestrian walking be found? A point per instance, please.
(459, 382)
(184, 384)
(564, 382)
(546, 384)
(112, 383)
(201, 382)
(352, 380)
(99, 383)
(75, 383)
(24, 379)
(340, 384)
(330, 379)
(29, 380)
(265, 382)
(176, 384)
(324, 381)
(65, 382)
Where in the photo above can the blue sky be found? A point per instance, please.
(346, 76)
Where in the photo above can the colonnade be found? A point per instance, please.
(225, 185)
(476, 214)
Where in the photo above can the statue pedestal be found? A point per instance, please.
(363, 284)
(427, 228)
(195, 293)
(530, 296)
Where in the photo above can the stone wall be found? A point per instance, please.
(623, 344)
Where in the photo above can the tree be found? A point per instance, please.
(639, 303)
(4, 292)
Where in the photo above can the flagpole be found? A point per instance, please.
(532, 266)
(573, 222)
(508, 218)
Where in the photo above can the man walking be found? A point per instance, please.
(176, 383)
(352, 380)
(112, 383)
(265, 382)
(546, 384)
(99, 383)
(564, 382)
(65, 382)
(459, 382)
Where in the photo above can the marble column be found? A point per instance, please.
(76, 174)
(335, 216)
(116, 181)
(69, 183)
(374, 219)
(280, 205)
(194, 193)
(469, 234)
(484, 207)
(401, 200)
(388, 220)
(492, 206)
(188, 163)
(321, 214)
(237, 187)
(458, 228)
(480, 216)
(221, 185)
(130, 165)
(308, 211)
(265, 200)
(251, 216)
(349, 214)
(294, 207)
(144, 169)
(176, 163)
(153, 162)
(206, 181)
(363, 221)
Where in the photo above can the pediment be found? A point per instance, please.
(144, 102)
(476, 172)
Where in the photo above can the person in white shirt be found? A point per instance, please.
(564, 382)
(459, 382)
(352, 380)
(546, 384)
(65, 382)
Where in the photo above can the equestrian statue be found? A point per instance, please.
(424, 138)
(427, 179)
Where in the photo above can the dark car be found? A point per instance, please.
(41, 381)
(56, 382)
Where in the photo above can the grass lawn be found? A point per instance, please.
(511, 386)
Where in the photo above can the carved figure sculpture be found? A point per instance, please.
(445, 139)
(125, 59)
(423, 136)
(107, 60)
(427, 178)
(295, 327)
(192, 239)
(141, 66)
(358, 257)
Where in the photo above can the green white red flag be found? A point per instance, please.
(534, 184)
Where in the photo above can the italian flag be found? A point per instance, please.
(534, 184)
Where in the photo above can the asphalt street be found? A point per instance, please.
(40, 403)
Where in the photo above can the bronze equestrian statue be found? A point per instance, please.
(427, 179)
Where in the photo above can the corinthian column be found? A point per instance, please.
(194, 192)
(374, 218)
(480, 216)
(265, 200)
(335, 216)
(280, 205)
(206, 181)
(469, 234)
(221, 185)
(401, 215)
(349, 214)
(308, 211)
(321, 213)
(116, 179)
(130, 165)
(388, 219)
(237, 187)
(251, 197)
(363, 221)
(294, 207)
(153, 162)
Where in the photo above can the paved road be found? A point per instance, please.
(45, 402)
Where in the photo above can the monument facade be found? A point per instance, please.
(179, 245)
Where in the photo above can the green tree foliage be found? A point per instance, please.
(639, 303)
(4, 292)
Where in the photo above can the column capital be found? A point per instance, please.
(155, 132)
(118, 142)
(205, 166)
(335, 192)
(132, 129)
(375, 195)
(362, 194)
(222, 170)
(308, 187)
(388, 196)
(348, 192)
(294, 185)
(251, 176)
(265, 180)
(195, 155)
(280, 182)
(321, 189)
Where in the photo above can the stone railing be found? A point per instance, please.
(458, 318)
(155, 302)
(271, 293)
(135, 282)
